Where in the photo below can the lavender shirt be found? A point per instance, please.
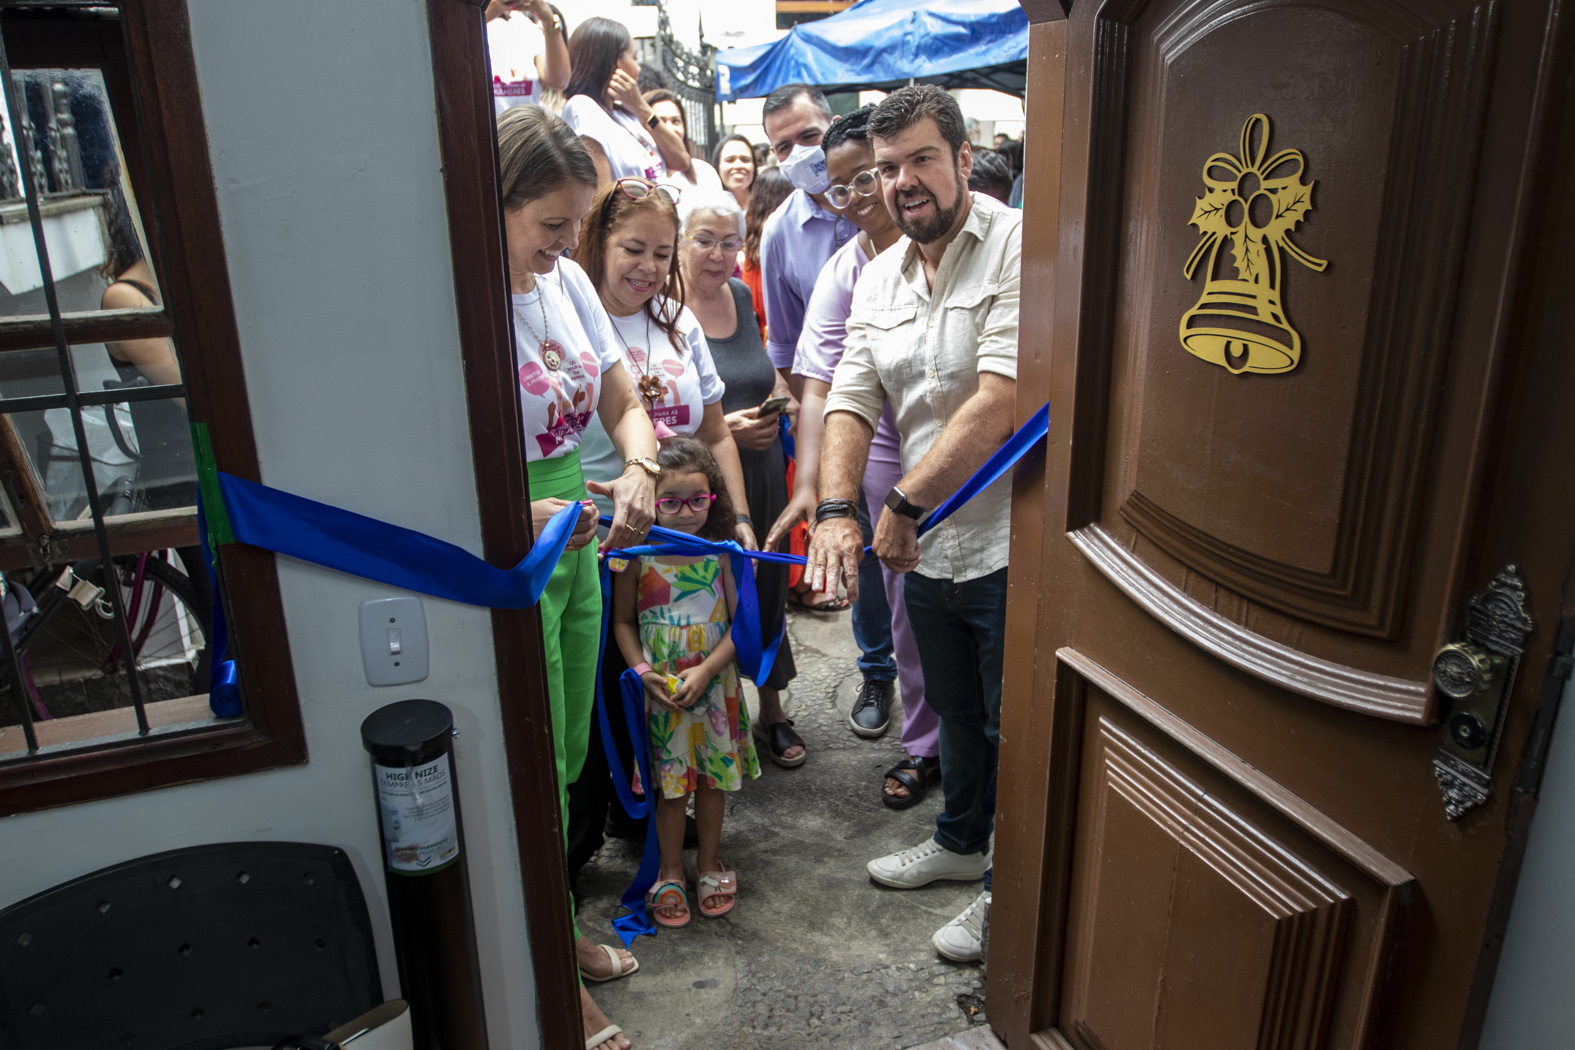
(795, 243)
(825, 328)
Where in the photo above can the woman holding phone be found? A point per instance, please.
(754, 404)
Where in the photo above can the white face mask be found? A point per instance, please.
(805, 168)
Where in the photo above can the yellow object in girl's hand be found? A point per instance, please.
(674, 683)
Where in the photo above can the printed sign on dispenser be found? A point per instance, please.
(417, 802)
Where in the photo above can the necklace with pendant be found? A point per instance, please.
(550, 349)
(651, 387)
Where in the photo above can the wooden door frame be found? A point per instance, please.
(1020, 953)
(467, 142)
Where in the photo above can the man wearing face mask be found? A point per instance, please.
(803, 233)
(797, 240)
(933, 330)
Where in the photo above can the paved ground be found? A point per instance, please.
(814, 956)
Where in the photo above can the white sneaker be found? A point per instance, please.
(925, 863)
(961, 939)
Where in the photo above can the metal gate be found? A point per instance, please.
(694, 81)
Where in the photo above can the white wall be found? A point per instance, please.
(321, 121)
(1531, 1007)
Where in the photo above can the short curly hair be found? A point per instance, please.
(906, 106)
(851, 127)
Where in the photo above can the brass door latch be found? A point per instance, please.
(1477, 676)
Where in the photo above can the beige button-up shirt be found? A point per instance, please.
(922, 349)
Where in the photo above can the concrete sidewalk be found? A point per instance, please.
(814, 956)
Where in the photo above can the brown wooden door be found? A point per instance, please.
(1297, 285)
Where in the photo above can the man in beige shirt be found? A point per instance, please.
(933, 330)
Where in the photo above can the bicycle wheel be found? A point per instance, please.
(73, 661)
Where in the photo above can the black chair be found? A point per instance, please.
(226, 945)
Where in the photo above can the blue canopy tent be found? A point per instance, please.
(882, 44)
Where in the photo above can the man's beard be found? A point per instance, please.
(928, 231)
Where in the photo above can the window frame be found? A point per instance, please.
(186, 248)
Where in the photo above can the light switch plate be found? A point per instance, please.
(394, 640)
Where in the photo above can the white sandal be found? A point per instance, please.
(601, 1037)
(615, 963)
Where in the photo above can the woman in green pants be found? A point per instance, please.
(570, 367)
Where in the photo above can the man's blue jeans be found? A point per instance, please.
(961, 632)
(872, 613)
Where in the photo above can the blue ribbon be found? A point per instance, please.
(1001, 460)
(362, 546)
(632, 693)
(224, 691)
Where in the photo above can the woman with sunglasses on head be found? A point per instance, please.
(755, 403)
(628, 248)
(570, 373)
(855, 192)
(606, 109)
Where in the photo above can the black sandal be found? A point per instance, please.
(904, 773)
(778, 737)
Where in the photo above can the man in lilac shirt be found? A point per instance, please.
(795, 243)
(802, 234)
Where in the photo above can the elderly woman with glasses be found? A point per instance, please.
(629, 248)
(755, 402)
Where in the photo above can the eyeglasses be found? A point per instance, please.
(672, 504)
(863, 184)
(705, 243)
(639, 189)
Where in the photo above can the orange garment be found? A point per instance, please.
(752, 278)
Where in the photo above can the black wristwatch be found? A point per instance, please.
(897, 501)
(652, 120)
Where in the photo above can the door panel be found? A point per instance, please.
(1295, 493)
(1307, 493)
(1307, 301)
(1225, 911)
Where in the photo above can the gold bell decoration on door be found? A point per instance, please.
(1249, 207)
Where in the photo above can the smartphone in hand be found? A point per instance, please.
(772, 405)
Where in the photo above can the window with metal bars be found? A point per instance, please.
(116, 331)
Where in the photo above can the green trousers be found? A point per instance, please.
(571, 627)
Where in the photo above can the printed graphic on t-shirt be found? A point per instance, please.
(572, 388)
(513, 88)
(667, 412)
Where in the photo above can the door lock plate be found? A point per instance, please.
(1477, 675)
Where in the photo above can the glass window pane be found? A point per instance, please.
(165, 475)
(92, 226)
(73, 663)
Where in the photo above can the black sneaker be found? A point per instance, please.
(871, 714)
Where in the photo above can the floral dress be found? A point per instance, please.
(683, 616)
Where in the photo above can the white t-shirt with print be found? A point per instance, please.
(558, 404)
(630, 149)
(513, 42)
(689, 379)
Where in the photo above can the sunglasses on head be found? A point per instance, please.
(639, 189)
